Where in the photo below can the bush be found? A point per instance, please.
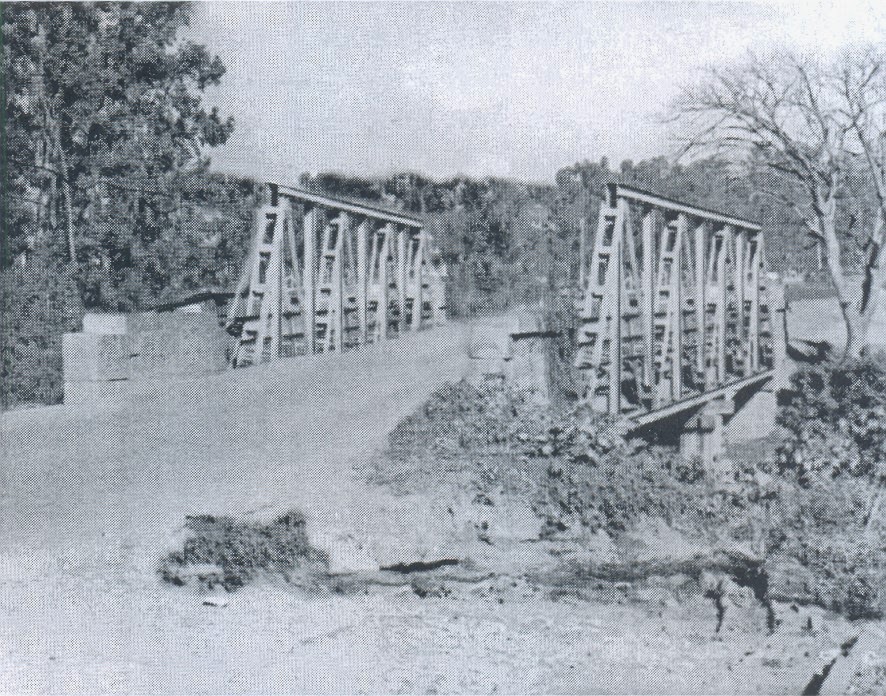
(38, 303)
(834, 452)
(838, 571)
(231, 553)
(584, 472)
(835, 415)
(457, 418)
(809, 515)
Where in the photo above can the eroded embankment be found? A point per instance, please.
(514, 501)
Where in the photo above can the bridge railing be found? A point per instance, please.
(674, 304)
(325, 274)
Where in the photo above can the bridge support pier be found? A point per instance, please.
(703, 435)
(754, 418)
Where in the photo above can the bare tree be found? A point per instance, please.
(813, 123)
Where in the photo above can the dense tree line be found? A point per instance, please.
(109, 203)
(502, 241)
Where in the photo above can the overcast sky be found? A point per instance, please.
(505, 89)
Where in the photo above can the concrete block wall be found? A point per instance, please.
(512, 348)
(115, 352)
(176, 344)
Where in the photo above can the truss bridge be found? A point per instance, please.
(675, 315)
(327, 275)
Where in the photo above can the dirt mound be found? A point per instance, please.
(227, 553)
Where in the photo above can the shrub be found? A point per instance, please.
(835, 451)
(835, 415)
(585, 473)
(457, 418)
(240, 551)
(38, 303)
(841, 572)
(611, 492)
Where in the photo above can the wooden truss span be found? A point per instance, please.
(324, 274)
(674, 304)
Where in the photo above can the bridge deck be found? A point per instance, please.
(644, 418)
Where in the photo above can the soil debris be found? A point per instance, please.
(222, 552)
(421, 566)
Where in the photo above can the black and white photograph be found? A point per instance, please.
(443, 347)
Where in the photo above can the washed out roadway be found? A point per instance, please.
(91, 499)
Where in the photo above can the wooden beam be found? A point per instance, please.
(279, 248)
(338, 281)
(640, 196)
(741, 274)
(642, 419)
(241, 300)
(648, 298)
(384, 282)
(726, 237)
(754, 337)
(267, 315)
(615, 277)
(401, 278)
(363, 230)
(701, 302)
(418, 298)
(353, 207)
(677, 330)
(309, 275)
(582, 253)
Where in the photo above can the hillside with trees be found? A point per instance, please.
(110, 205)
(105, 181)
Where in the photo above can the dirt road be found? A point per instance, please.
(247, 442)
(89, 501)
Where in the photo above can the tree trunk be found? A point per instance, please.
(870, 294)
(66, 194)
(856, 341)
(830, 243)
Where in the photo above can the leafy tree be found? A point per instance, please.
(103, 104)
(106, 198)
(38, 301)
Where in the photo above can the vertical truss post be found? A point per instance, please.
(280, 235)
(363, 230)
(268, 257)
(616, 268)
(701, 302)
(677, 328)
(726, 237)
(582, 252)
(418, 300)
(384, 282)
(262, 313)
(309, 274)
(338, 281)
(755, 250)
(596, 336)
(648, 297)
(242, 300)
(741, 274)
(402, 270)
